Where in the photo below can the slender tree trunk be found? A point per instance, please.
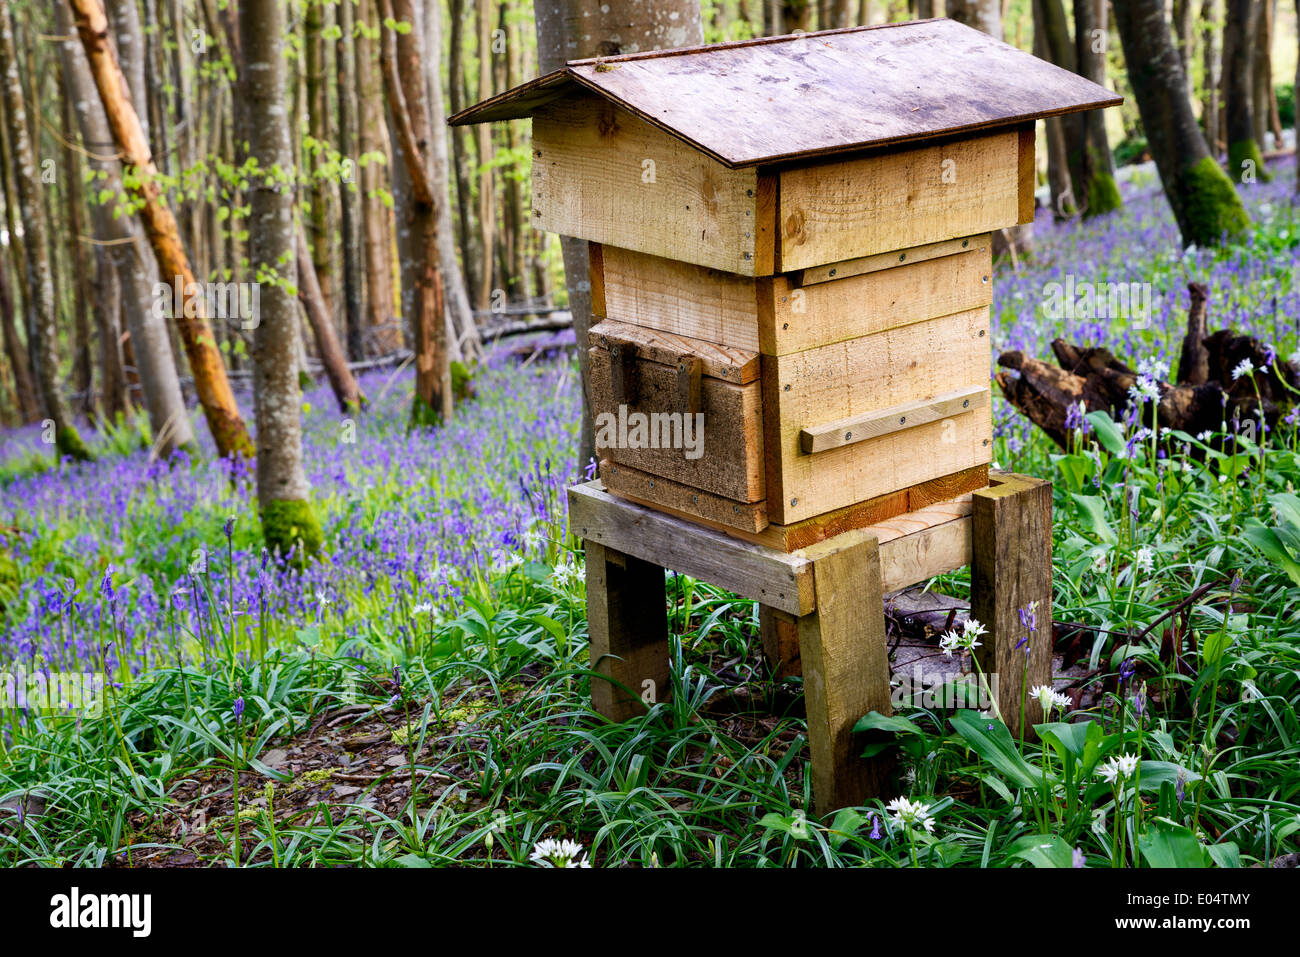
(24, 392)
(349, 211)
(1245, 162)
(79, 263)
(404, 81)
(573, 29)
(1210, 69)
(486, 153)
(28, 183)
(215, 395)
(318, 122)
(469, 255)
(1203, 200)
(1184, 18)
(983, 15)
(288, 519)
(132, 260)
(342, 382)
(460, 312)
(381, 311)
(1098, 191)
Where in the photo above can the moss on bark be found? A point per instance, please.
(1213, 207)
(1103, 195)
(68, 441)
(290, 522)
(1243, 156)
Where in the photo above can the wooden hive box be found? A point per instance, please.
(791, 245)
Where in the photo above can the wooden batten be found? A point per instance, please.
(691, 503)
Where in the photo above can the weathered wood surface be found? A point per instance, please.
(909, 415)
(860, 376)
(604, 175)
(737, 366)
(778, 99)
(1011, 569)
(889, 201)
(866, 264)
(845, 665)
(627, 619)
(730, 463)
(773, 578)
(684, 501)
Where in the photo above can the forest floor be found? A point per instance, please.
(419, 695)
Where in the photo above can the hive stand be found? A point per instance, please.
(821, 607)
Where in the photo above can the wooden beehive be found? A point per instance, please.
(792, 238)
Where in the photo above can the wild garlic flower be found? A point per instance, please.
(964, 640)
(1119, 768)
(1244, 367)
(910, 814)
(568, 573)
(1146, 559)
(1049, 698)
(561, 853)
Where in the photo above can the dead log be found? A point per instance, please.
(1206, 396)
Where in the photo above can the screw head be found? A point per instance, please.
(902, 256)
(966, 404)
(965, 243)
(902, 419)
(832, 272)
(794, 501)
(847, 436)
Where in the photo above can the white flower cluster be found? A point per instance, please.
(1049, 699)
(964, 640)
(562, 853)
(905, 812)
(1118, 768)
(568, 574)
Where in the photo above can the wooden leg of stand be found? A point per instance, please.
(845, 673)
(780, 634)
(627, 618)
(1011, 574)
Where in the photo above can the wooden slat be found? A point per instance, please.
(862, 207)
(730, 442)
(683, 500)
(861, 376)
(908, 415)
(1027, 172)
(679, 298)
(737, 366)
(592, 165)
(627, 619)
(773, 578)
(867, 264)
(873, 301)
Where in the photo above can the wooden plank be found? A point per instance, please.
(1011, 567)
(596, 271)
(725, 451)
(683, 500)
(763, 574)
(862, 207)
(908, 415)
(604, 175)
(845, 672)
(858, 377)
(779, 633)
(1027, 171)
(873, 301)
(737, 366)
(867, 264)
(947, 487)
(627, 618)
(679, 298)
(767, 230)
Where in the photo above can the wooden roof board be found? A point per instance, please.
(806, 95)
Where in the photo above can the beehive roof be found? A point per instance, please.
(806, 95)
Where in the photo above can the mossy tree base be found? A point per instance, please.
(1212, 207)
(289, 524)
(1103, 195)
(68, 441)
(1246, 163)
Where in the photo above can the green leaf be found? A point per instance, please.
(1267, 541)
(1093, 511)
(309, 636)
(990, 739)
(1157, 773)
(1108, 433)
(1043, 850)
(1167, 844)
(875, 721)
(845, 825)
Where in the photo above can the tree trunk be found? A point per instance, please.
(486, 153)
(349, 212)
(381, 311)
(404, 81)
(460, 148)
(24, 392)
(1203, 200)
(79, 263)
(318, 124)
(210, 382)
(169, 420)
(1064, 133)
(342, 382)
(460, 312)
(1245, 162)
(1210, 69)
(27, 179)
(1098, 191)
(574, 29)
(1184, 18)
(983, 15)
(288, 520)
